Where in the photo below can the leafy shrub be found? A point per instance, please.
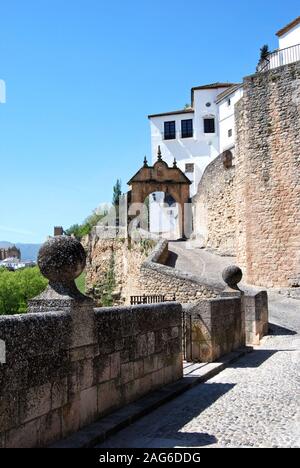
(18, 287)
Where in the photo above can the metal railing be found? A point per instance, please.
(137, 300)
(280, 57)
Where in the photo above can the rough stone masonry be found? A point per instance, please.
(252, 209)
(268, 178)
(68, 364)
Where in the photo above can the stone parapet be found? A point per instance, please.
(213, 328)
(65, 369)
(156, 278)
(256, 316)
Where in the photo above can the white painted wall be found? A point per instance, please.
(290, 38)
(227, 120)
(164, 219)
(199, 150)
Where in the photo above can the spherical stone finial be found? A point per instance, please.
(232, 275)
(62, 259)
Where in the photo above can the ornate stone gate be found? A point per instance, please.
(161, 178)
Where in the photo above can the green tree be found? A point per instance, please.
(264, 53)
(117, 192)
(81, 230)
(17, 288)
(104, 291)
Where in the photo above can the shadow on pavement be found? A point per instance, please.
(254, 359)
(172, 259)
(277, 330)
(162, 429)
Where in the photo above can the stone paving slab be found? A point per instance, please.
(194, 374)
(254, 402)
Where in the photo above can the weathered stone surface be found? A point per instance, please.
(213, 328)
(232, 276)
(61, 259)
(158, 279)
(253, 209)
(256, 316)
(64, 370)
(127, 262)
(268, 177)
(215, 208)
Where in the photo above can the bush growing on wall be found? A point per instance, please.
(104, 291)
(16, 288)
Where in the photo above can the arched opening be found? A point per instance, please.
(168, 189)
(163, 215)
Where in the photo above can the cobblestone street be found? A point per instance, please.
(253, 403)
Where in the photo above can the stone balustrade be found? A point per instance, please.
(68, 364)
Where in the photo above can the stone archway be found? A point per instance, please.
(161, 178)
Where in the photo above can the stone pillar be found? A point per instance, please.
(61, 260)
(58, 231)
(213, 328)
(232, 276)
(255, 315)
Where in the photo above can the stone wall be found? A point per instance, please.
(256, 310)
(213, 328)
(253, 209)
(215, 208)
(139, 273)
(268, 177)
(64, 370)
(155, 278)
(127, 260)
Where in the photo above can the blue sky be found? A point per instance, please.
(83, 75)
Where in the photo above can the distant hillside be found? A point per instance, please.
(28, 251)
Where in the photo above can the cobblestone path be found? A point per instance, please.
(200, 262)
(253, 403)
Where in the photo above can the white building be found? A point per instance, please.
(289, 36)
(196, 135)
(289, 47)
(192, 135)
(226, 122)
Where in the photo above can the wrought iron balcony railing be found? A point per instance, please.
(280, 57)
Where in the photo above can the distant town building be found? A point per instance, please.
(14, 264)
(58, 231)
(10, 252)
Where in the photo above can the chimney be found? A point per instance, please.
(58, 231)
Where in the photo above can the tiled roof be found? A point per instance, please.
(183, 111)
(210, 86)
(228, 92)
(213, 86)
(288, 27)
